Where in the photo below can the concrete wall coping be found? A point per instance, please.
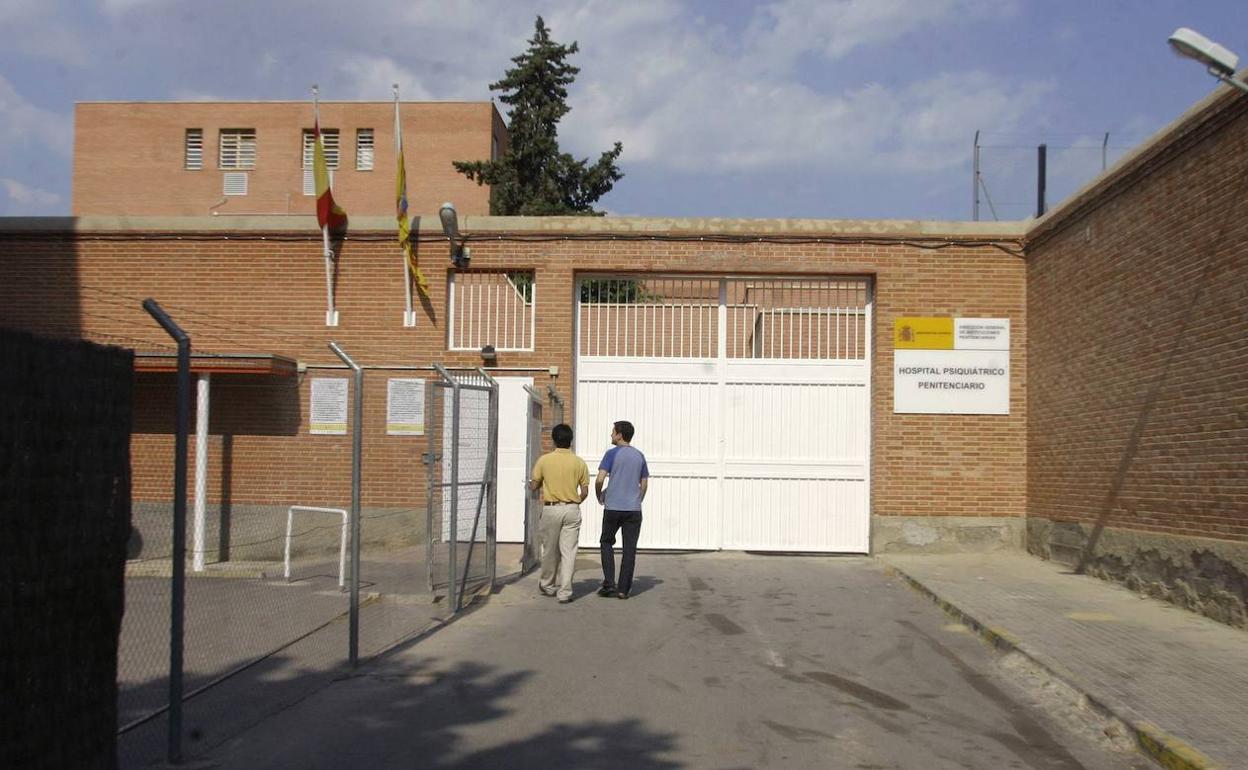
(429, 225)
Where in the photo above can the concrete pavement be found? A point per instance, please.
(1176, 680)
(721, 660)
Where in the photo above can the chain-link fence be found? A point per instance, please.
(285, 504)
(463, 476)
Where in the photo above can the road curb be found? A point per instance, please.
(1155, 743)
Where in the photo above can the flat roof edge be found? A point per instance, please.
(429, 224)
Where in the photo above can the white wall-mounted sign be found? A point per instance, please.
(328, 408)
(951, 382)
(981, 334)
(405, 407)
(951, 366)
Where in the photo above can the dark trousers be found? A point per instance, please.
(612, 522)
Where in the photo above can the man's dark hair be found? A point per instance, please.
(562, 435)
(625, 429)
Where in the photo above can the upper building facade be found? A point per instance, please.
(201, 158)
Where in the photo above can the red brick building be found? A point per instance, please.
(189, 159)
(1121, 445)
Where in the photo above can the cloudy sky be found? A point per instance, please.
(791, 108)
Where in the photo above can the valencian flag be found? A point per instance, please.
(328, 213)
(400, 207)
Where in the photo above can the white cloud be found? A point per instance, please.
(43, 29)
(782, 31)
(682, 98)
(371, 77)
(22, 123)
(119, 7)
(29, 198)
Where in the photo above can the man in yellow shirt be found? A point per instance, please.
(564, 481)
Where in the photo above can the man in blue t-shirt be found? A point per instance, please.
(621, 502)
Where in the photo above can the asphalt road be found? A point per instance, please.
(717, 661)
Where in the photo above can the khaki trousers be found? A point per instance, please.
(560, 529)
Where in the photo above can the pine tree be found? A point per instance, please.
(533, 177)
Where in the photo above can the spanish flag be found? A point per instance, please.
(328, 213)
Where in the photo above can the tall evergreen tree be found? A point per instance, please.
(533, 177)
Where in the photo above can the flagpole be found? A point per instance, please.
(331, 315)
(409, 318)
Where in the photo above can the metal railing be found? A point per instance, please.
(342, 551)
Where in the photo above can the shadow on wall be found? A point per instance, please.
(242, 405)
(1217, 242)
(39, 277)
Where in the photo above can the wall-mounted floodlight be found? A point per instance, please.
(1220, 62)
(450, 226)
(489, 355)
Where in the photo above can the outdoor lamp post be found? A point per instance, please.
(1220, 62)
(450, 227)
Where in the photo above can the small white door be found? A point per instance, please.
(513, 426)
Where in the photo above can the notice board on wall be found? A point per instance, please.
(951, 365)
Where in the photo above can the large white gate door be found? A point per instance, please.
(750, 399)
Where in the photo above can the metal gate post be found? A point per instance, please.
(533, 450)
(177, 603)
(491, 478)
(357, 445)
(452, 590)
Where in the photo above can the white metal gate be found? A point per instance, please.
(751, 400)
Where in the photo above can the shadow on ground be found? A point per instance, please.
(410, 713)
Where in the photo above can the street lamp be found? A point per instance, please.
(1220, 62)
(450, 226)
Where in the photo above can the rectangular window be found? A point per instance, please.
(364, 149)
(492, 308)
(193, 152)
(329, 140)
(237, 148)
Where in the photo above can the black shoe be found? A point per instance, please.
(606, 591)
(621, 595)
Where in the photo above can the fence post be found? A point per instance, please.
(357, 446)
(491, 476)
(452, 593)
(177, 602)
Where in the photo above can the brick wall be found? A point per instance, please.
(65, 514)
(1138, 364)
(129, 157)
(244, 293)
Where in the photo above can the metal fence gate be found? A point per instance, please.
(533, 503)
(462, 463)
(751, 400)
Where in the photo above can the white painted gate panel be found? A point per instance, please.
(751, 399)
(513, 406)
(671, 403)
(795, 469)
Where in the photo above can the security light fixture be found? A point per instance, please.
(450, 226)
(1220, 62)
(488, 354)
